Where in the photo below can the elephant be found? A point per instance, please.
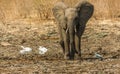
(71, 25)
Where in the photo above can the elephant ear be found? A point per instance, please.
(85, 11)
(59, 13)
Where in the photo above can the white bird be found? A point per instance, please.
(98, 56)
(25, 50)
(42, 50)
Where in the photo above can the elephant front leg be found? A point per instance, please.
(72, 42)
(66, 44)
(78, 45)
(79, 32)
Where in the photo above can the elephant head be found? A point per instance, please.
(71, 24)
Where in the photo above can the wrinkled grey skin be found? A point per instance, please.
(71, 25)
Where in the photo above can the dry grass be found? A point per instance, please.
(41, 9)
(106, 8)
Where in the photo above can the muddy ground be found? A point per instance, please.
(101, 36)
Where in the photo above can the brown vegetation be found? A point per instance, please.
(16, 29)
(41, 9)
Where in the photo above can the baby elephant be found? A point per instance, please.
(71, 25)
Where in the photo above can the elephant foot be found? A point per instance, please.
(67, 56)
(72, 56)
(79, 56)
